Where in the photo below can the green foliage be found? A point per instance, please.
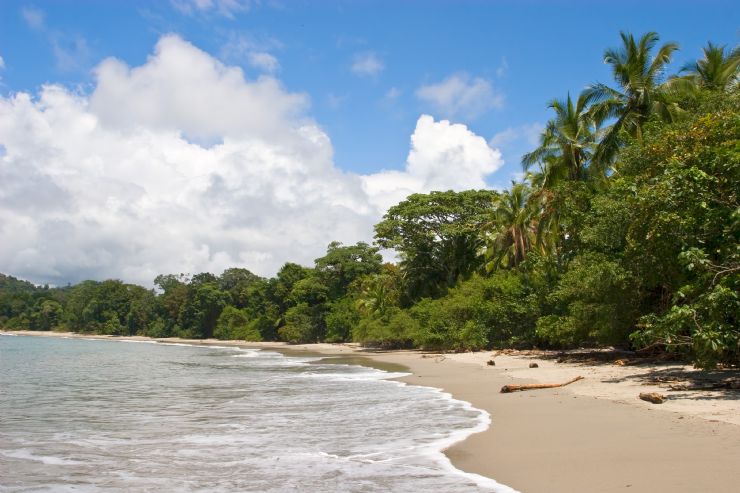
(234, 323)
(479, 313)
(395, 328)
(627, 234)
(340, 319)
(437, 237)
(344, 264)
(301, 325)
(596, 299)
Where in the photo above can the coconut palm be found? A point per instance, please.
(718, 70)
(566, 144)
(639, 75)
(512, 233)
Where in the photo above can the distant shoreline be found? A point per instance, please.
(592, 436)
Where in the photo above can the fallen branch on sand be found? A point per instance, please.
(533, 386)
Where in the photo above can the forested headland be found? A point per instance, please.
(625, 231)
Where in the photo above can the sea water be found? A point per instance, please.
(99, 415)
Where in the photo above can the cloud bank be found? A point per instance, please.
(184, 165)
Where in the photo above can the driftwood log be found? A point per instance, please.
(533, 386)
(653, 397)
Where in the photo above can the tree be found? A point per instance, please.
(639, 75)
(437, 237)
(512, 230)
(566, 144)
(203, 309)
(343, 264)
(234, 323)
(718, 70)
(378, 292)
(235, 281)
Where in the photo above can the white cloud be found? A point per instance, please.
(263, 61)
(111, 184)
(225, 8)
(443, 156)
(2, 63)
(461, 95)
(367, 64)
(255, 52)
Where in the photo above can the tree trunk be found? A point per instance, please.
(533, 386)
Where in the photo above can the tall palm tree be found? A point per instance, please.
(566, 144)
(512, 233)
(639, 75)
(718, 70)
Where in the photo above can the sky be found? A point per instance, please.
(139, 138)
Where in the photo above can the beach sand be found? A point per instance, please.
(592, 436)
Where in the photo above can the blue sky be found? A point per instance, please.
(352, 77)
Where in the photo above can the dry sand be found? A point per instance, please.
(592, 436)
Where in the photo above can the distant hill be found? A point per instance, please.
(10, 284)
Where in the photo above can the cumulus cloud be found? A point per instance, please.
(367, 64)
(443, 156)
(461, 95)
(116, 183)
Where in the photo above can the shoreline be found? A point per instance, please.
(594, 435)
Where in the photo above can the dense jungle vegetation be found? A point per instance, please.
(625, 231)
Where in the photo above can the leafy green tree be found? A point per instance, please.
(341, 317)
(376, 293)
(236, 281)
(437, 238)
(49, 315)
(344, 264)
(395, 328)
(302, 324)
(234, 323)
(200, 315)
(597, 298)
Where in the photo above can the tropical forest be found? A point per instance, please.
(624, 232)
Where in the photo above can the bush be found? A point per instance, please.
(300, 325)
(597, 304)
(394, 328)
(234, 323)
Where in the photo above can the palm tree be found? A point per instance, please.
(640, 94)
(378, 292)
(513, 231)
(566, 144)
(718, 70)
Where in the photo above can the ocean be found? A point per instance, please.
(99, 415)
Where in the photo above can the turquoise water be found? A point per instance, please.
(92, 415)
